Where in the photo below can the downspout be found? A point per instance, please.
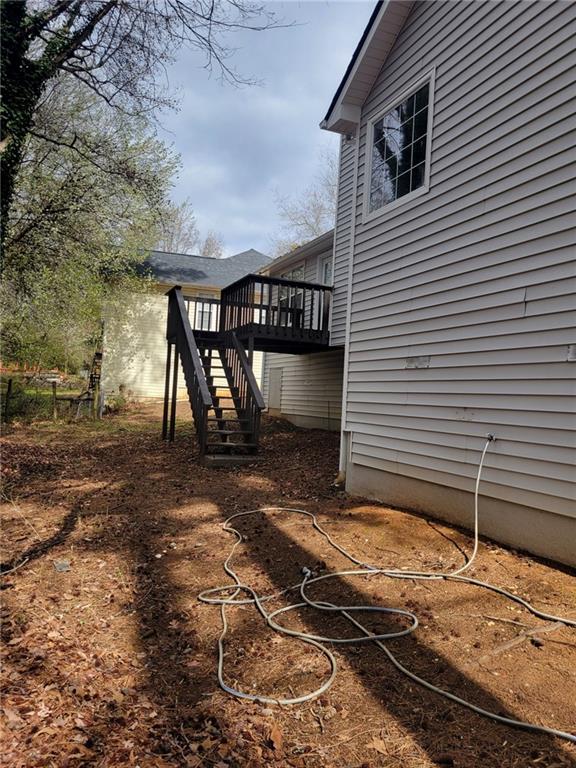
(344, 434)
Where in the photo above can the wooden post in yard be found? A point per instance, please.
(7, 400)
(54, 403)
(166, 393)
(174, 393)
(96, 396)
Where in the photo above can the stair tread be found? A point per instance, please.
(236, 421)
(229, 432)
(231, 445)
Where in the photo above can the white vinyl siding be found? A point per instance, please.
(479, 273)
(134, 349)
(311, 390)
(342, 242)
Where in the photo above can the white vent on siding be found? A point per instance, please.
(571, 353)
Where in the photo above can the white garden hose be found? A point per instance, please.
(215, 597)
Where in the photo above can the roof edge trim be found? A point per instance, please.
(343, 115)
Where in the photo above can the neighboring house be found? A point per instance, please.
(305, 389)
(455, 264)
(453, 269)
(134, 345)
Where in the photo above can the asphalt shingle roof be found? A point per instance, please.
(186, 269)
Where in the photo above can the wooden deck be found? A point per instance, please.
(276, 315)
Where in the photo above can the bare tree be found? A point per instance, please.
(313, 212)
(212, 246)
(179, 230)
(180, 234)
(117, 48)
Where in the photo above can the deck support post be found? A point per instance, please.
(174, 395)
(166, 392)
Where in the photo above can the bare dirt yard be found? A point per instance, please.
(109, 659)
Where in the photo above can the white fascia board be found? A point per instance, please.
(344, 117)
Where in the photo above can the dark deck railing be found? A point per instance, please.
(247, 397)
(276, 308)
(181, 342)
(204, 313)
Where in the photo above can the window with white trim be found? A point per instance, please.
(292, 297)
(326, 276)
(399, 154)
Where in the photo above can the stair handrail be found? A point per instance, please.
(248, 372)
(248, 399)
(189, 346)
(179, 334)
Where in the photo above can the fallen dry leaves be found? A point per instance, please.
(110, 663)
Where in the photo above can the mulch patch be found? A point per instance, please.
(109, 659)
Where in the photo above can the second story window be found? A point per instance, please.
(292, 297)
(203, 312)
(326, 271)
(399, 142)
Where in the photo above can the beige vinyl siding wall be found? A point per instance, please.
(311, 394)
(342, 241)
(479, 273)
(135, 348)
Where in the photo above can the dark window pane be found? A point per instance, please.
(376, 200)
(407, 108)
(378, 151)
(394, 117)
(403, 184)
(420, 123)
(399, 150)
(389, 189)
(419, 151)
(392, 147)
(422, 97)
(417, 177)
(376, 182)
(392, 163)
(405, 159)
(406, 131)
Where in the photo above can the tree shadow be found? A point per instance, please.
(439, 726)
(165, 632)
(40, 548)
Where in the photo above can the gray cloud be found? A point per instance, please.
(238, 145)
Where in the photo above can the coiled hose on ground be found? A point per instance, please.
(236, 588)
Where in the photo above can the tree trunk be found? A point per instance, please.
(22, 82)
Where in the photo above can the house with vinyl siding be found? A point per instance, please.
(134, 338)
(454, 269)
(306, 389)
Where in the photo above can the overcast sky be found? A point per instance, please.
(239, 145)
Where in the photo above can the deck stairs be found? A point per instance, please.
(213, 341)
(224, 397)
(228, 430)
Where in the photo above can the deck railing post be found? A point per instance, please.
(276, 308)
(166, 392)
(174, 395)
(325, 312)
